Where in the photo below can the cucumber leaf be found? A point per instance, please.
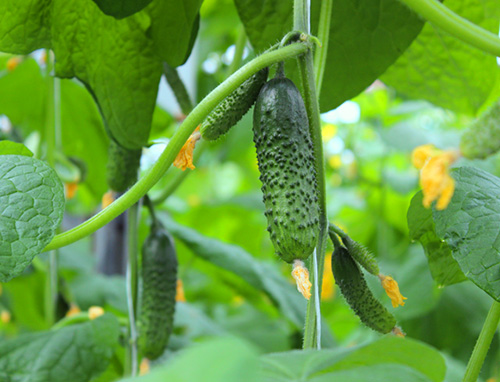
(77, 353)
(442, 69)
(14, 148)
(470, 227)
(366, 37)
(443, 267)
(31, 209)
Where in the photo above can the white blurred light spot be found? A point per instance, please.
(348, 112)
(347, 157)
(228, 55)
(211, 64)
(335, 145)
(5, 124)
(151, 154)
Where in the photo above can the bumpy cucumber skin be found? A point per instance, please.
(159, 282)
(122, 167)
(233, 107)
(362, 255)
(286, 164)
(482, 139)
(353, 286)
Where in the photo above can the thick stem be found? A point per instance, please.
(442, 17)
(323, 35)
(194, 118)
(132, 286)
(300, 16)
(312, 107)
(483, 343)
(178, 87)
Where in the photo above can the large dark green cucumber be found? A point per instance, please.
(483, 136)
(353, 286)
(233, 107)
(159, 283)
(287, 172)
(122, 168)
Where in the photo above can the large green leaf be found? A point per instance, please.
(443, 266)
(31, 209)
(366, 37)
(221, 359)
(121, 8)
(118, 60)
(260, 275)
(14, 148)
(77, 353)
(470, 227)
(446, 71)
(389, 358)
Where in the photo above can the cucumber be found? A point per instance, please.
(286, 164)
(353, 286)
(362, 255)
(159, 284)
(233, 107)
(482, 139)
(122, 168)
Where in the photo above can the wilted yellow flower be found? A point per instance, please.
(179, 291)
(435, 180)
(398, 332)
(107, 199)
(5, 317)
(144, 366)
(70, 189)
(95, 311)
(301, 276)
(185, 157)
(74, 309)
(392, 289)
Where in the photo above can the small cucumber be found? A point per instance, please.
(159, 283)
(233, 107)
(286, 165)
(482, 139)
(353, 286)
(122, 168)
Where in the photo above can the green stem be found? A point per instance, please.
(483, 343)
(312, 107)
(300, 16)
(239, 49)
(178, 87)
(442, 17)
(132, 286)
(81, 318)
(323, 35)
(194, 118)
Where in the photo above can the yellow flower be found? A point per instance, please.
(398, 332)
(74, 309)
(107, 199)
(13, 62)
(328, 285)
(185, 157)
(392, 289)
(301, 276)
(95, 311)
(179, 292)
(436, 182)
(5, 316)
(70, 189)
(144, 367)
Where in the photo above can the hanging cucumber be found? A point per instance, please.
(233, 107)
(286, 165)
(353, 286)
(159, 283)
(123, 165)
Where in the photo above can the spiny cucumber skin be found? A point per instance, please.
(159, 283)
(233, 107)
(122, 167)
(362, 256)
(353, 286)
(286, 164)
(482, 139)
